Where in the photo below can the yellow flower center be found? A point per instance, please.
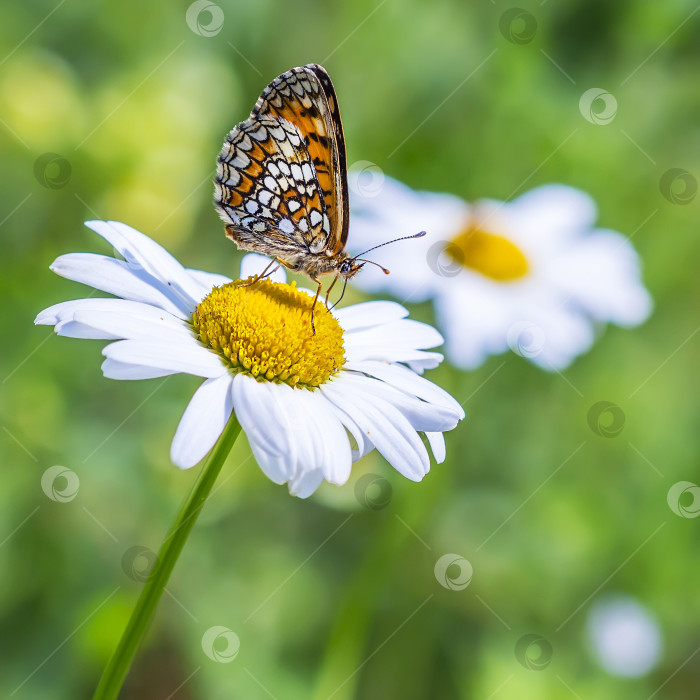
(264, 329)
(488, 253)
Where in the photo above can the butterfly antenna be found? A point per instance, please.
(403, 238)
(371, 262)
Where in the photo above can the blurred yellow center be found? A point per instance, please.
(264, 329)
(492, 255)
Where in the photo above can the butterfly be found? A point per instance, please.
(281, 183)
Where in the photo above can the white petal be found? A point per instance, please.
(406, 380)
(188, 357)
(119, 370)
(115, 277)
(73, 329)
(422, 416)
(368, 314)
(65, 310)
(364, 444)
(209, 280)
(601, 273)
(140, 251)
(158, 326)
(548, 215)
(267, 426)
(437, 445)
(327, 444)
(305, 483)
(388, 429)
(254, 264)
(406, 333)
(203, 422)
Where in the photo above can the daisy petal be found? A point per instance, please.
(391, 433)
(437, 445)
(209, 280)
(369, 313)
(157, 326)
(305, 483)
(119, 370)
(187, 357)
(140, 251)
(116, 277)
(422, 416)
(257, 406)
(203, 422)
(406, 380)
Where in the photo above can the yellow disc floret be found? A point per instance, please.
(264, 329)
(488, 253)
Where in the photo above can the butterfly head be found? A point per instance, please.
(349, 267)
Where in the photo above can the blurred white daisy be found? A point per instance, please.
(624, 636)
(532, 274)
(299, 397)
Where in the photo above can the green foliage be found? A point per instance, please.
(136, 104)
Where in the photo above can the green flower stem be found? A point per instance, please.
(118, 665)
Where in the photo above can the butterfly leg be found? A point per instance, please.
(265, 273)
(328, 293)
(313, 306)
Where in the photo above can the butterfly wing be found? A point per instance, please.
(266, 190)
(281, 185)
(305, 96)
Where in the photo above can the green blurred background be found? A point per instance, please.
(330, 597)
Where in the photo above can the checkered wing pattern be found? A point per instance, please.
(281, 183)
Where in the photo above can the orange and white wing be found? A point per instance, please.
(310, 157)
(266, 189)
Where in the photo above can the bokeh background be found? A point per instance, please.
(117, 110)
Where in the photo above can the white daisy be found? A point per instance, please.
(309, 404)
(532, 274)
